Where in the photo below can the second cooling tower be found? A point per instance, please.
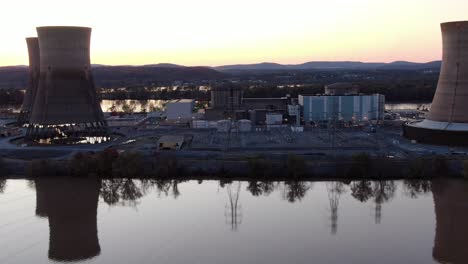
(447, 121)
(33, 80)
(66, 92)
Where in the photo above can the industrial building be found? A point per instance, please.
(226, 97)
(180, 110)
(33, 80)
(66, 103)
(348, 108)
(447, 121)
(273, 104)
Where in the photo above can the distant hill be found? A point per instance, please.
(259, 66)
(119, 76)
(330, 65)
(164, 65)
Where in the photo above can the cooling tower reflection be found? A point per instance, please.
(71, 208)
(451, 211)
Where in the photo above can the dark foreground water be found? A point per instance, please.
(133, 221)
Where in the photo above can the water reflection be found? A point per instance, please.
(294, 191)
(233, 211)
(415, 188)
(383, 191)
(451, 211)
(361, 190)
(257, 188)
(71, 208)
(2, 185)
(334, 190)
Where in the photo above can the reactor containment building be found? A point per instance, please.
(447, 121)
(65, 105)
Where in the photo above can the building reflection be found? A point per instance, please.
(451, 210)
(71, 208)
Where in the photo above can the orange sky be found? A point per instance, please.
(218, 32)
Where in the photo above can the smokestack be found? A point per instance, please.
(447, 121)
(66, 93)
(33, 80)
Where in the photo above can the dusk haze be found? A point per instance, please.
(213, 33)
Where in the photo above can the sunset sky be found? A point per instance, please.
(218, 32)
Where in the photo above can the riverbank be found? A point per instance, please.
(111, 164)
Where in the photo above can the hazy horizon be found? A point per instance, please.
(214, 33)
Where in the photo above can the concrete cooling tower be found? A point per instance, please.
(33, 80)
(66, 104)
(447, 122)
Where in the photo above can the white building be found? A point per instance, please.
(181, 109)
(345, 107)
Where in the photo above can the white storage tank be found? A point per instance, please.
(212, 124)
(274, 119)
(223, 125)
(200, 124)
(244, 125)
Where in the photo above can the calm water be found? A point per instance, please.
(132, 221)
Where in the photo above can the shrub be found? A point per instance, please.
(129, 164)
(296, 166)
(360, 165)
(465, 169)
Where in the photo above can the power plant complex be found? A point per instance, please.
(447, 122)
(61, 101)
(61, 104)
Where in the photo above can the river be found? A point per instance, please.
(145, 221)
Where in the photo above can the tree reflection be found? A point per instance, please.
(121, 191)
(257, 188)
(415, 188)
(383, 191)
(2, 185)
(295, 190)
(362, 190)
(335, 190)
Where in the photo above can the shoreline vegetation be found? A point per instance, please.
(112, 164)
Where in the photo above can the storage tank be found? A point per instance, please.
(447, 121)
(274, 119)
(244, 125)
(212, 124)
(199, 124)
(224, 126)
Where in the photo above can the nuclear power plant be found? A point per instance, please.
(447, 122)
(66, 105)
(33, 80)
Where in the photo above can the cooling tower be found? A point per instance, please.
(33, 80)
(447, 121)
(66, 103)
